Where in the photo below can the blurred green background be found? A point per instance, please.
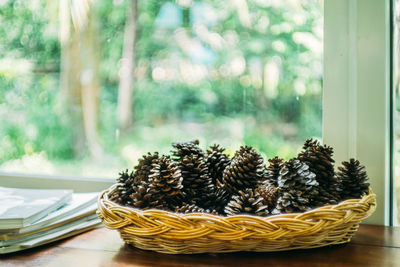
(87, 87)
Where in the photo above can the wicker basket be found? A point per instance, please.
(173, 233)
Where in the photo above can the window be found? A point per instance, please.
(355, 104)
(90, 86)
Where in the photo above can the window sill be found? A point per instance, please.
(76, 183)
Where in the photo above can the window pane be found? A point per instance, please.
(87, 87)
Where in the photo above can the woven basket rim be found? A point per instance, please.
(104, 195)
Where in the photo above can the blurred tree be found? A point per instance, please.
(79, 73)
(127, 77)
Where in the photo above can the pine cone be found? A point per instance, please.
(183, 149)
(269, 195)
(192, 208)
(142, 170)
(131, 194)
(165, 184)
(353, 177)
(246, 201)
(320, 160)
(218, 200)
(143, 199)
(197, 185)
(140, 198)
(272, 171)
(125, 188)
(297, 187)
(246, 170)
(310, 143)
(216, 162)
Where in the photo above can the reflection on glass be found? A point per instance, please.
(87, 87)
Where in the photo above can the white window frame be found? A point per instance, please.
(357, 93)
(356, 100)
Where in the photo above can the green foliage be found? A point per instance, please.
(282, 42)
(28, 128)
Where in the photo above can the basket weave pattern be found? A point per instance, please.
(173, 233)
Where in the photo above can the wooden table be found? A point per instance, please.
(372, 246)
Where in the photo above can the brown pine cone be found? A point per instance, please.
(319, 159)
(125, 187)
(140, 198)
(248, 202)
(165, 184)
(197, 185)
(142, 170)
(218, 200)
(353, 176)
(297, 187)
(182, 149)
(216, 162)
(272, 171)
(269, 194)
(246, 170)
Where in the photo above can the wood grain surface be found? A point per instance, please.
(372, 246)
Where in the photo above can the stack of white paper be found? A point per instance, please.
(31, 217)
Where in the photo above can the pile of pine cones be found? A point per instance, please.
(191, 180)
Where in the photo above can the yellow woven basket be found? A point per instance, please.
(173, 233)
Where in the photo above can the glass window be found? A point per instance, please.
(87, 87)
